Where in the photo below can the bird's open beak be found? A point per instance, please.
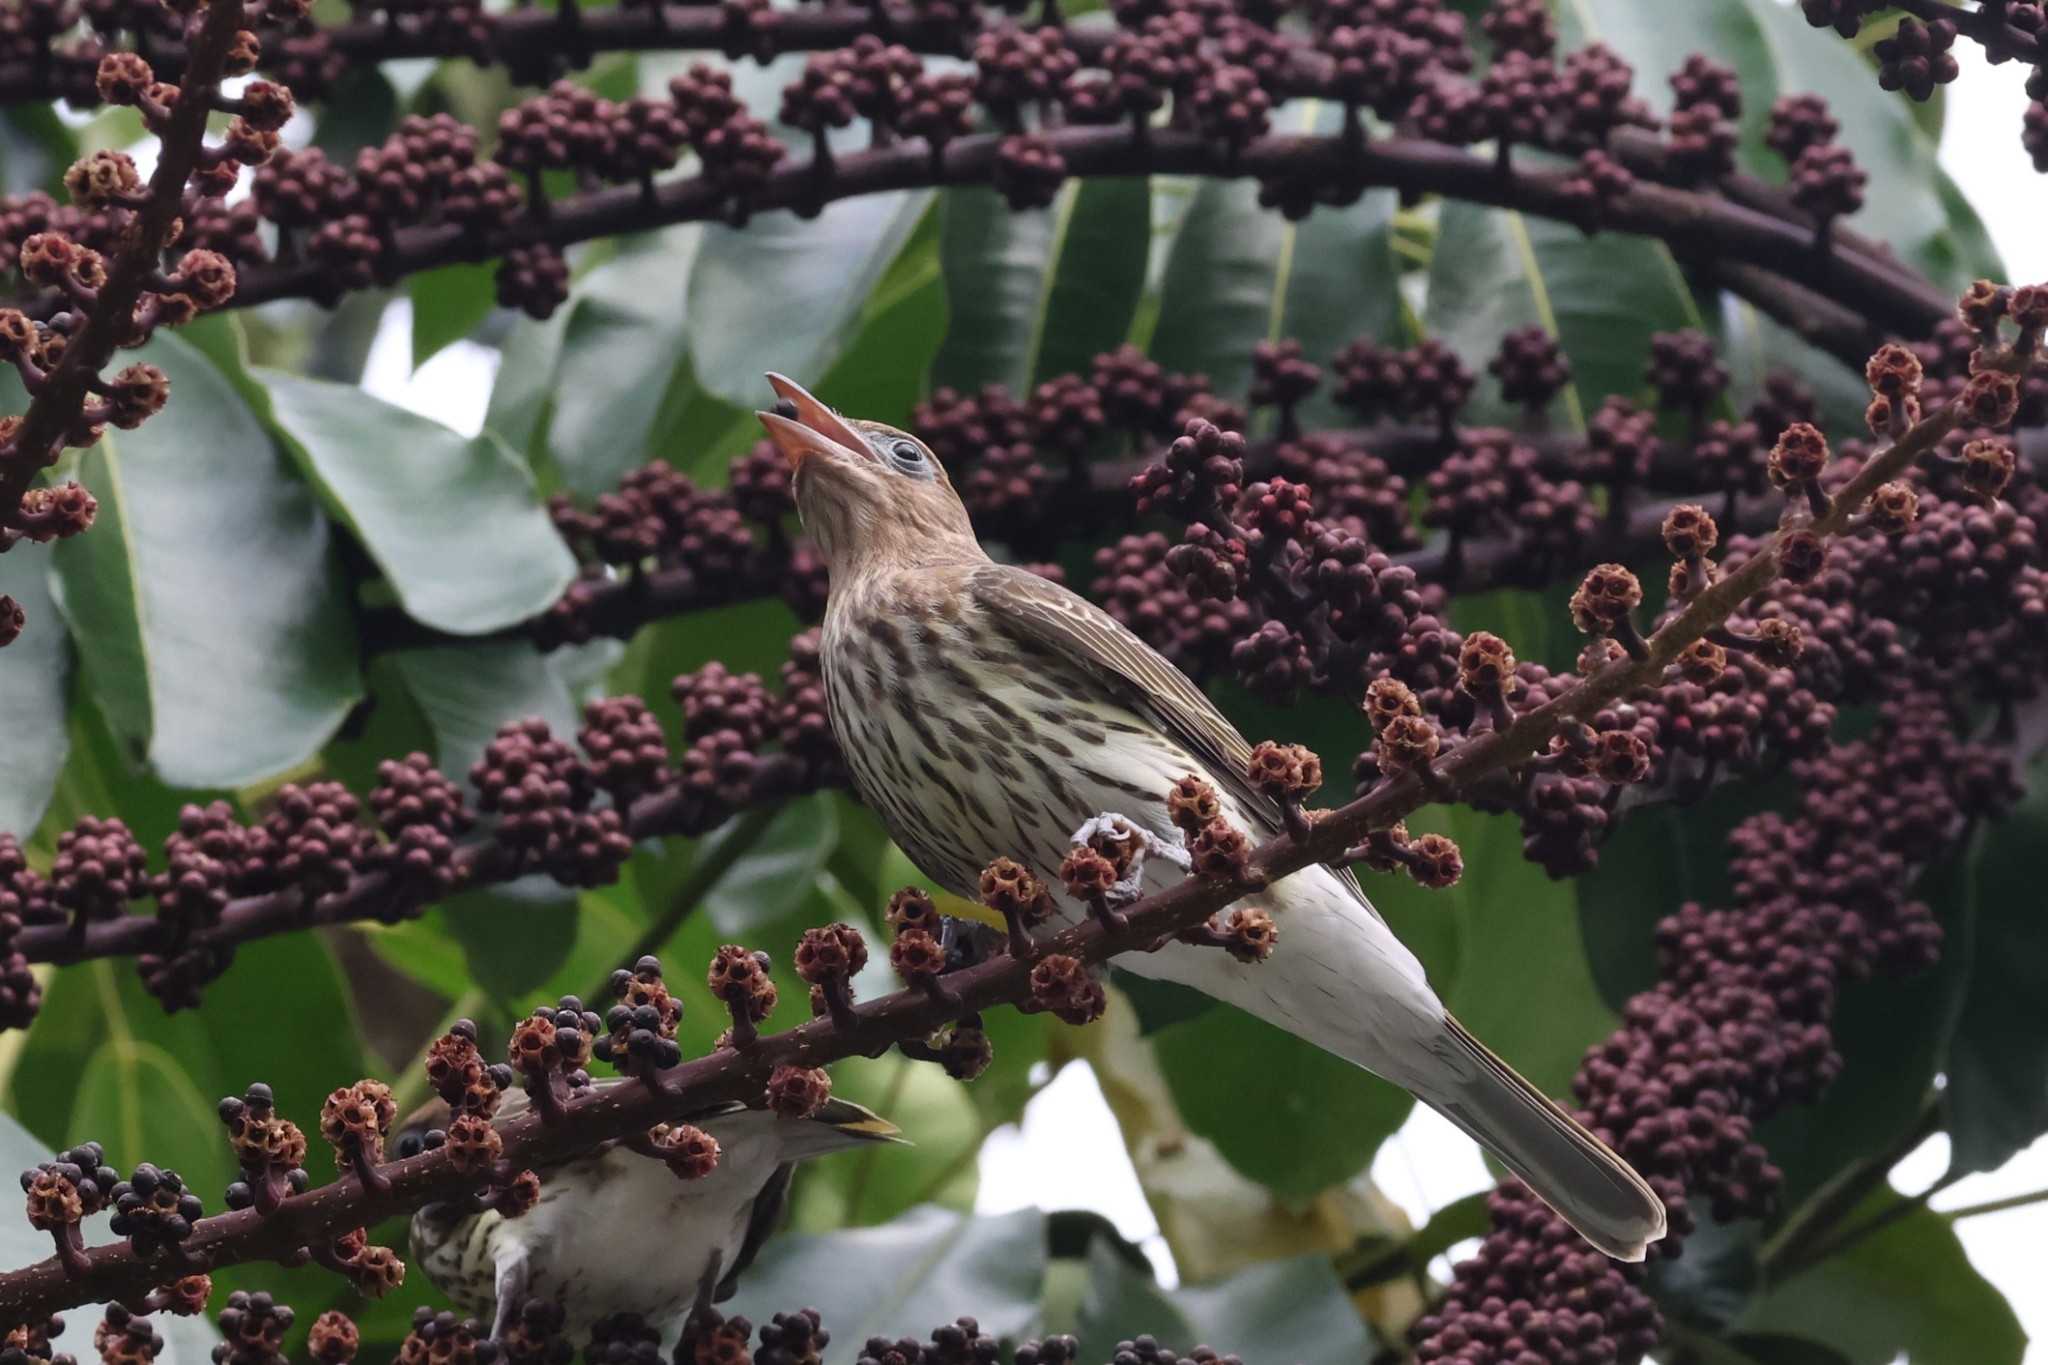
(815, 430)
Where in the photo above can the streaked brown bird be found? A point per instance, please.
(987, 712)
(616, 1231)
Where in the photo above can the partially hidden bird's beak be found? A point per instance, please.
(815, 430)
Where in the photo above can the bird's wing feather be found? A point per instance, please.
(762, 1220)
(1050, 617)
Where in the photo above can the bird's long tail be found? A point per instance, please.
(1568, 1168)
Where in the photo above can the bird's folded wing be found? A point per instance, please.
(1051, 618)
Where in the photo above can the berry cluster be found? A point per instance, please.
(89, 273)
(312, 857)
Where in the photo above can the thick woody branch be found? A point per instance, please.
(54, 410)
(1696, 226)
(117, 1272)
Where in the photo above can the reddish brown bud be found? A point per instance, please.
(1620, 757)
(1221, 852)
(1602, 651)
(1192, 804)
(916, 954)
(797, 1092)
(1801, 556)
(1062, 985)
(1285, 772)
(1486, 666)
(122, 77)
(1702, 662)
(1690, 532)
(1604, 600)
(473, 1144)
(1991, 399)
(1780, 642)
(356, 1117)
(1799, 456)
(1009, 889)
(1384, 850)
(1893, 371)
(830, 952)
(1087, 874)
(1435, 862)
(1249, 934)
(912, 908)
(207, 278)
(691, 1153)
(333, 1339)
(1981, 306)
(1387, 700)
(101, 179)
(1988, 467)
(740, 978)
(1405, 744)
(1894, 507)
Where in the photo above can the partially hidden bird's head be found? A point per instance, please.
(867, 493)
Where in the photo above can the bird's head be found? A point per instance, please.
(866, 492)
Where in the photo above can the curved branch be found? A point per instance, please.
(1693, 224)
(117, 1272)
(54, 410)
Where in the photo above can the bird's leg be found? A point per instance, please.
(1126, 844)
(512, 1287)
(707, 1286)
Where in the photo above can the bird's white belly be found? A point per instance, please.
(623, 1234)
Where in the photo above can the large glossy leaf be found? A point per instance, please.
(621, 349)
(776, 873)
(786, 293)
(904, 1278)
(1292, 1310)
(467, 692)
(1281, 1110)
(209, 613)
(523, 393)
(33, 672)
(447, 305)
(1906, 1291)
(1601, 297)
(1038, 294)
(1997, 1067)
(1775, 52)
(452, 521)
(879, 1183)
(1239, 274)
(187, 1341)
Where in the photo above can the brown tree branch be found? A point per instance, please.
(54, 409)
(117, 1272)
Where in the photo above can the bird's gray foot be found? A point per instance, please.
(707, 1285)
(513, 1283)
(1128, 844)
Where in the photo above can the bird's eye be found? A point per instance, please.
(908, 458)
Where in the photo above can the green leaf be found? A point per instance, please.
(140, 1096)
(1239, 274)
(1277, 1311)
(321, 1047)
(785, 293)
(1038, 294)
(513, 936)
(1775, 52)
(1907, 1290)
(621, 349)
(1997, 1092)
(522, 393)
(776, 874)
(897, 1280)
(447, 305)
(467, 692)
(1281, 1110)
(187, 1341)
(1601, 297)
(196, 510)
(451, 520)
(1893, 1032)
(33, 673)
